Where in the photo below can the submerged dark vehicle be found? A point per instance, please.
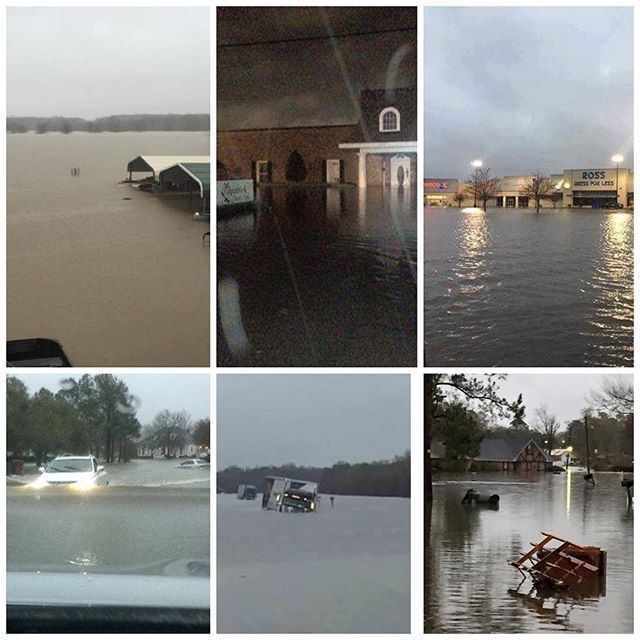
(36, 352)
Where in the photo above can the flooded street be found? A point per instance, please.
(151, 518)
(327, 278)
(120, 277)
(516, 288)
(470, 588)
(341, 570)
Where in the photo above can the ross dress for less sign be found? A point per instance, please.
(594, 179)
(234, 192)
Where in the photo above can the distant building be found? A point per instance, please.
(504, 454)
(589, 188)
(146, 448)
(380, 149)
(513, 454)
(440, 192)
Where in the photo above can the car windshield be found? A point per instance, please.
(69, 465)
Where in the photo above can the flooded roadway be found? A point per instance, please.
(470, 588)
(120, 277)
(510, 287)
(152, 518)
(327, 278)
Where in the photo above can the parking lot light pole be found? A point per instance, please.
(617, 159)
(477, 164)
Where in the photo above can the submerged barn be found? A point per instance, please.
(155, 164)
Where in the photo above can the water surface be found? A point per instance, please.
(470, 588)
(324, 278)
(343, 569)
(120, 277)
(515, 288)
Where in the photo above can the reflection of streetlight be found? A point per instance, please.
(477, 164)
(617, 159)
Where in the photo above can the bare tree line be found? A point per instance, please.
(115, 123)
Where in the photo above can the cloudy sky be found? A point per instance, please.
(308, 82)
(311, 419)
(154, 392)
(527, 88)
(90, 62)
(564, 394)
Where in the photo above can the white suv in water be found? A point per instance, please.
(81, 472)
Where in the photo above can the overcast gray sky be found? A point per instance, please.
(527, 88)
(98, 61)
(155, 392)
(313, 82)
(311, 419)
(564, 394)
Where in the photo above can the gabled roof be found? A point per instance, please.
(198, 172)
(156, 164)
(505, 449)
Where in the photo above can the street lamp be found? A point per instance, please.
(477, 164)
(617, 159)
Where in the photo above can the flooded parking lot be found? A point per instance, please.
(323, 277)
(344, 569)
(120, 277)
(515, 288)
(470, 588)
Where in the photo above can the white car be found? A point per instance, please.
(80, 472)
(193, 464)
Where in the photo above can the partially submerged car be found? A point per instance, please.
(194, 464)
(80, 472)
(290, 495)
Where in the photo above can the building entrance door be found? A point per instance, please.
(334, 173)
(400, 171)
(263, 171)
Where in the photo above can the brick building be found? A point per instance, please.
(379, 149)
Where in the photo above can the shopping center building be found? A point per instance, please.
(592, 188)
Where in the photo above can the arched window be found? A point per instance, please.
(390, 119)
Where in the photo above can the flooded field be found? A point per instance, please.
(516, 288)
(326, 278)
(120, 277)
(344, 569)
(471, 589)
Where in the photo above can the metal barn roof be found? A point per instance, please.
(156, 164)
(199, 172)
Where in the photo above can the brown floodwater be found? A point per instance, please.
(120, 277)
(470, 588)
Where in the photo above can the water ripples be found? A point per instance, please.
(512, 288)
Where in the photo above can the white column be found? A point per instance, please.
(516, 202)
(362, 169)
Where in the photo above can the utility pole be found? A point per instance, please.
(588, 476)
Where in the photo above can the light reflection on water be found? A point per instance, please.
(321, 277)
(516, 288)
(471, 588)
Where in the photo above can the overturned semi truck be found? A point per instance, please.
(289, 495)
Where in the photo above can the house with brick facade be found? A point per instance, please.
(379, 149)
